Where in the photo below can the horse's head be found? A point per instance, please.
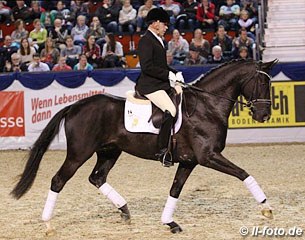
(256, 90)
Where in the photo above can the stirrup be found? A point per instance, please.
(165, 158)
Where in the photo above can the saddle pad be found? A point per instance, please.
(137, 115)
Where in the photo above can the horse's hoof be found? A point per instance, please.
(267, 213)
(126, 218)
(50, 232)
(174, 227)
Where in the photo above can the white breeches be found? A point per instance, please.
(162, 101)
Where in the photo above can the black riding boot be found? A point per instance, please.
(164, 136)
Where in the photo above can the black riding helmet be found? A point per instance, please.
(157, 14)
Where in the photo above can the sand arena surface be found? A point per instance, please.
(212, 205)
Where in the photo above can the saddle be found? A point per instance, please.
(157, 113)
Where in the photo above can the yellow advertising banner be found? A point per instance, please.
(288, 108)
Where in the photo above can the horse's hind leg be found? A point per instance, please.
(105, 161)
(220, 163)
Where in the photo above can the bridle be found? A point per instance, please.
(250, 102)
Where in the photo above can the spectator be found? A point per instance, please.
(79, 7)
(47, 19)
(61, 65)
(223, 40)
(37, 65)
(205, 14)
(49, 54)
(7, 50)
(58, 33)
(173, 11)
(252, 7)
(36, 10)
(14, 65)
(229, 14)
(71, 52)
(142, 13)
(38, 35)
(21, 11)
(243, 52)
(19, 32)
(202, 44)
(61, 12)
(127, 18)
(26, 52)
(170, 59)
(216, 57)
(188, 17)
(5, 13)
(97, 31)
(242, 40)
(108, 15)
(194, 57)
(178, 46)
(112, 52)
(247, 23)
(83, 64)
(92, 51)
(79, 31)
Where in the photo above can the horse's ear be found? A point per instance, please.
(267, 66)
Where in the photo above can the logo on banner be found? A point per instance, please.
(12, 114)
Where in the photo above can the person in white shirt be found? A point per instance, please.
(37, 65)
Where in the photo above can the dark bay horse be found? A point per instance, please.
(96, 125)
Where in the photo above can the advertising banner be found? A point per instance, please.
(287, 104)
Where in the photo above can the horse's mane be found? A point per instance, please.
(212, 70)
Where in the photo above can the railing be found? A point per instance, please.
(260, 28)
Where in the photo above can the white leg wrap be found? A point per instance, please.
(170, 206)
(112, 195)
(256, 191)
(49, 206)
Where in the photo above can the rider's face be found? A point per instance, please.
(161, 28)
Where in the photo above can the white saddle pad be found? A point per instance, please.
(138, 112)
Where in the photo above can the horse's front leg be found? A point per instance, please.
(181, 176)
(220, 163)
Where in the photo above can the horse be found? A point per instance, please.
(96, 125)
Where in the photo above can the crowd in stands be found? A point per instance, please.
(80, 34)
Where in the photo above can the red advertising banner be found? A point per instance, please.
(12, 114)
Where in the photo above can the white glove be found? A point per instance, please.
(179, 77)
(172, 77)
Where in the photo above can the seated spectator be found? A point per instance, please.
(7, 50)
(5, 13)
(79, 7)
(108, 14)
(224, 40)
(178, 46)
(14, 65)
(21, 11)
(216, 57)
(187, 19)
(47, 20)
(92, 52)
(71, 52)
(36, 10)
(38, 35)
(97, 31)
(202, 44)
(26, 52)
(205, 14)
(79, 31)
(247, 23)
(50, 53)
(242, 40)
(61, 12)
(252, 7)
(243, 53)
(58, 33)
(194, 58)
(112, 52)
(142, 14)
(229, 14)
(127, 18)
(173, 11)
(19, 32)
(170, 59)
(61, 65)
(37, 65)
(83, 64)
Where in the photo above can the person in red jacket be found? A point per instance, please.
(205, 14)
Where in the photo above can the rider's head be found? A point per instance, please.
(157, 20)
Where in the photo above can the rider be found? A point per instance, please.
(157, 77)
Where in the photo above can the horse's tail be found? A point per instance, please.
(36, 153)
